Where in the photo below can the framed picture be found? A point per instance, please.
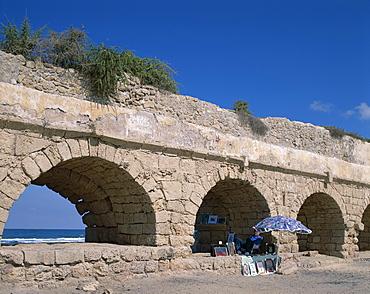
(230, 238)
(220, 250)
(245, 269)
(212, 219)
(231, 248)
(270, 267)
(261, 267)
(204, 219)
(221, 220)
(252, 269)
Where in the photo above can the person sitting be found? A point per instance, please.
(251, 244)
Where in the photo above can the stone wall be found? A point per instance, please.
(45, 266)
(303, 136)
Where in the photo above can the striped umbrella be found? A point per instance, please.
(281, 223)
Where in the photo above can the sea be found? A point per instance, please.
(49, 236)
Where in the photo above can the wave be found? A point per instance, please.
(13, 241)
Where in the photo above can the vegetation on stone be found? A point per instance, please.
(339, 133)
(103, 66)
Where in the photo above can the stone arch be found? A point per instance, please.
(364, 235)
(321, 213)
(93, 176)
(236, 200)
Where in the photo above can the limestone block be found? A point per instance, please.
(61, 272)
(196, 198)
(81, 270)
(84, 147)
(140, 218)
(74, 147)
(34, 257)
(128, 253)
(14, 257)
(110, 152)
(175, 206)
(118, 267)
(111, 255)
(17, 174)
(161, 240)
(100, 269)
(184, 264)
(13, 274)
(11, 188)
(26, 145)
(147, 240)
(218, 264)
(3, 215)
(43, 162)
(31, 168)
(39, 273)
(138, 267)
(150, 185)
(92, 254)
(171, 190)
(99, 207)
(68, 256)
(159, 253)
(163, 265)
(144, 253)
(151, 266)
(6, 142)
(163, 228)
(162, 216)
(64, 151)
(133, 229)
(191, 207)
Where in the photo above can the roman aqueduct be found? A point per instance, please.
(142, 171)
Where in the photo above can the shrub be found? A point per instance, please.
(339, 134)
(20, 41)
(241, 106)
(103, 66)
(256, 125)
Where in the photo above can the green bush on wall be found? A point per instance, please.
(103, 66)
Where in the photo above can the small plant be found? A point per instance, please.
(20, 41)
(67, 49)
(339, 134)
(256, 125)
(104, 71)
(241, 106)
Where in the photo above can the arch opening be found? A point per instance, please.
(41, 215)
(112, 205)
(323, 216)
(241, 204)
(364, 235)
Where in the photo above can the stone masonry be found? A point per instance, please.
(142, 171)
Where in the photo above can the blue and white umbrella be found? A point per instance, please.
(281, 223)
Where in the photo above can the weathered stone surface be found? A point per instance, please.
(68, 256)
(33, 257)
(14, 257)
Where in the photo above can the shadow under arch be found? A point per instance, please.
(364, 235)
(322, 214)
(113, 206)
(240, 203)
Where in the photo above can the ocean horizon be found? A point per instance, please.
(34, 236)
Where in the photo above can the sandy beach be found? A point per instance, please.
(348, 276)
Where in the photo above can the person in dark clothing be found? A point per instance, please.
(247, 246)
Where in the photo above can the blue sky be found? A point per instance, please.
(305, 60)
